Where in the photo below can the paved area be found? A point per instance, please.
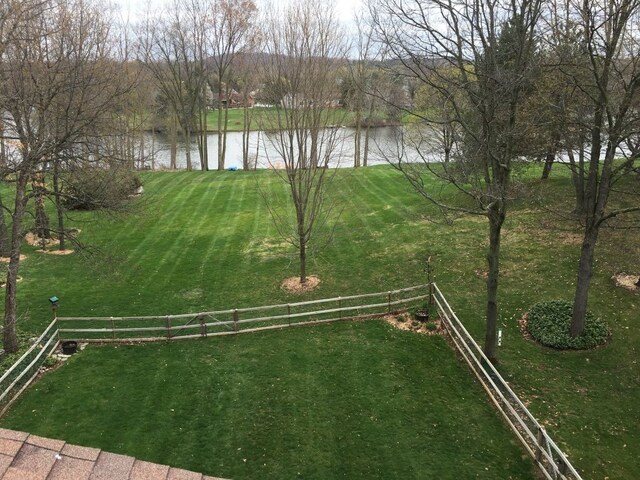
(29, 457)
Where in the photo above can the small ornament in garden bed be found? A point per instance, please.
(549, 323)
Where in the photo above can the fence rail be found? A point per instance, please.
(546, 454)
(20, 375)
(240, 320)
(550, 459)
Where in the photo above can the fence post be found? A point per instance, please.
(289, 313)
(168, 325)
(340, 307)
(539, 446)
(389, 302)
(113, 329)
(563, 467)
(235, 320)
(203, 326)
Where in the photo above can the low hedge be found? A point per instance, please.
(549, 323)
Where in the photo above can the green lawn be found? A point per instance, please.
(353, 400)
(204, 241)
(266, 118)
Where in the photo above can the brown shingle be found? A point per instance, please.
(10, 447)
(112, 467)
(48, 443)
(148, 471)
(30, 457)
(180, 474)
(32, 460)
(5, 461)
(83, 453)
(16, 474)
(13, 435)
(68, 468)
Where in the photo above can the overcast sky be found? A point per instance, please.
(133, 9)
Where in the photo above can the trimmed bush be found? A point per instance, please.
(97, 188)
(550, 323)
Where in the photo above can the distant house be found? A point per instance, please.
(234, 99)
(298, 101)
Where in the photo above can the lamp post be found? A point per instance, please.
(54, 305)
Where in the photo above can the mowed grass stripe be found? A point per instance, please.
(145, 210)
(167, 211)
(174, 230)
(186, 258)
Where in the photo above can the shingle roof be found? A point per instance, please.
(30, 457)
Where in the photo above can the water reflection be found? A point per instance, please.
(383, 145)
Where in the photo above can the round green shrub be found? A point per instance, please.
(550, 323)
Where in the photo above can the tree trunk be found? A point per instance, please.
(246, 131)
(496, 219)
(187, 147)
(220, 150)
(203, 149)
(173, 139)
(5, 242)
(577, 179)
(303, 260)
(59, 207)
(3, 151)
(365, 153)
(357, 136)
(10, 337)
(548, 163)
(585, 268)
(225, 127)
(42, 219)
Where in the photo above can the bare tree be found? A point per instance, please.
(606, 70)
(172, 46)
(247, 78)
(229, 25)
(58, 81)
(304, 44)
(477, 56)
(361, 97)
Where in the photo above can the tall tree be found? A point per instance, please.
(57, 82)
(477, 55)
(229, 25)
(305, 45)
(172, 46)
(360, 94)
(610, 77)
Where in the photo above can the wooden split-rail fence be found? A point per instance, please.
(239, 320)
(552, 462)
(24, 371)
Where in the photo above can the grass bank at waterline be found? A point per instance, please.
(205, 241)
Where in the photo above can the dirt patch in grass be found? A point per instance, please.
(523, 324)
(57, 252)
(568, 238)
(35, 241)
(4, 283)
(293, 284)
(6, 259)
(624, 280)
(403, 321)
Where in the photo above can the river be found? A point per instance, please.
(382, 145)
